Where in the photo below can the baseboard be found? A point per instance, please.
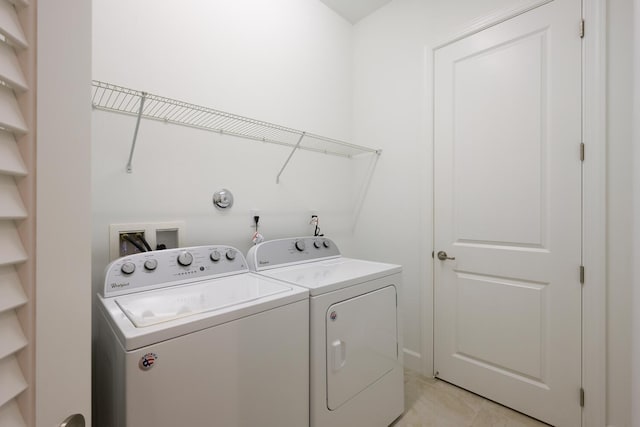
(412, 360)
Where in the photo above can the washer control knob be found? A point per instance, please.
(128, 267)
(185, 259)
(317, 244)
(215, 256)
(326, 244)
(300, 245)
(150, 264)
(231, 255)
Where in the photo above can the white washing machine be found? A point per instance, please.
(190, 337)
(356, 376)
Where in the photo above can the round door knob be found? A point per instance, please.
(185, 259)
(128, 267)
(442, 255)
(150, 264)
(231, 255)
(317, 244)
(215, 256)
(300, 245)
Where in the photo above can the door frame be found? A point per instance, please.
(594, 196)
(63, 203)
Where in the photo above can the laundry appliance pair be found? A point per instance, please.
(191, 336)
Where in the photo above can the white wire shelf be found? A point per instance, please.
(110, 97)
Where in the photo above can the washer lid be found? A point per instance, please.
(151, 308)
(329, 275)
(181, 310)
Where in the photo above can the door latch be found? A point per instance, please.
(442, 256)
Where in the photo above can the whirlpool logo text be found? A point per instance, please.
(119, 285)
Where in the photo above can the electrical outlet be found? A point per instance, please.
(252, 214)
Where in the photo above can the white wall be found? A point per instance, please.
(391, 109)
(388, 101)
(619, 211)
(283, 61)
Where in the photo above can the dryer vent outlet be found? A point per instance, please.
(167, 239)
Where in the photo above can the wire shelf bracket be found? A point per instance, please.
(143, 96)
(286, 162)
(119, 99)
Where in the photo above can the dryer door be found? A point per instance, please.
(362, 343)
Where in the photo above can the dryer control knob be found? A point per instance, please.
(300, 245)
(317, 244)
(128, 267)
(215, 256)
(231, 255)
(150, 264)
(185, 259)
(326, 244)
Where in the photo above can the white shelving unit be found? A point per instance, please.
(118, 99)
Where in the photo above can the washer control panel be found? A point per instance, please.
(170, 267)
(277, 253)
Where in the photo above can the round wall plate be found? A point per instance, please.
(223, 199)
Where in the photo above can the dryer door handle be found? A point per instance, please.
(339, 354)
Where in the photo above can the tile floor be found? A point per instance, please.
(431, 402)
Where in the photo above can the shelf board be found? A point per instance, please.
(110, 97)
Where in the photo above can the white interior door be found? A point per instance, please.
(508, 209)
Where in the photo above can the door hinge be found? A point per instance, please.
(582, 151)
(582, 29)
(581, 397)
(582, 274)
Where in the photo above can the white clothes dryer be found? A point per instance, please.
(356, 374)
(190, 337)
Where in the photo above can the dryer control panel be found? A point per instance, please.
(296, 250)
(170, 267)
